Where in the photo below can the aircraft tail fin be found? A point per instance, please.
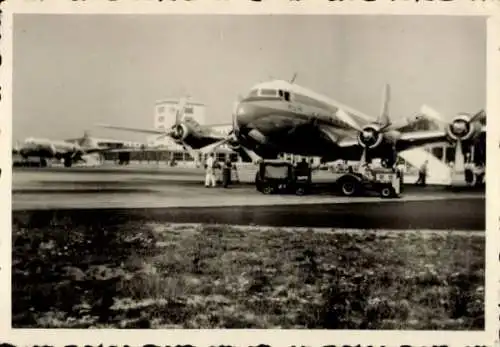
(87, 141)
(384, 118)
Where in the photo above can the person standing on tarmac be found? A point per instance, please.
(400, 168)
(209, 171)
(479, 173)
(226, 173)
(422, 174)
(469, 170)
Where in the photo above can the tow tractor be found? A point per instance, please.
(277, 176)
(386, 182)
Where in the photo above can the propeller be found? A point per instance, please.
(178, 129)
(233, 136)
(462, 128)
(370, 136)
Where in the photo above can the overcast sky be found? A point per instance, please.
(72, 71)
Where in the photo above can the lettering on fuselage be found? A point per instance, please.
(328, 116)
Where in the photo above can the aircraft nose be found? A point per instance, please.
(245, 113)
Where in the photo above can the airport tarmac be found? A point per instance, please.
(178, 195)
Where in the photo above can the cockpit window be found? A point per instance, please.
(268, 92)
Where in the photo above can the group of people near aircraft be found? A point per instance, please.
(211, 165)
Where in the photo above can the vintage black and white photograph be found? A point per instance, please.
(182, 171)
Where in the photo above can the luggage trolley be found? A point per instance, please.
(277, 176)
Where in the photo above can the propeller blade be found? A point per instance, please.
(212, 147)
(459, 156)
(191, 151)
(180, 110)
(234, 115)
(251, 154)
(343, 116)
(362, 161)
(384, 119)
(481, 114)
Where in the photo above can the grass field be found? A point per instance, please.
(143, 274)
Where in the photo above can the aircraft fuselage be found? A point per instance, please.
(280, 117)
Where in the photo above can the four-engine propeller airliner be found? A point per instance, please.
(71, 150)
(282, 117)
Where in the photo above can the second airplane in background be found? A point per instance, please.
(70, 150)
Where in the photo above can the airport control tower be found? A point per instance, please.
(164, 116)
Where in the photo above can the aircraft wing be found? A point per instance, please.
(349, 148)
(407, 140)
(201, 135)
(134, 130)
(135, 149)
(118, 149)
(420, 138)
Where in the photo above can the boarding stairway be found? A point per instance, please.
(438, 173)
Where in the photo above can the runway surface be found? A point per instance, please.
(177, 195)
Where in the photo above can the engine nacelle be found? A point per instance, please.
(462, 129)
(371, 136)
(180, 132)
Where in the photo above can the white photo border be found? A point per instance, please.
(489, 337)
